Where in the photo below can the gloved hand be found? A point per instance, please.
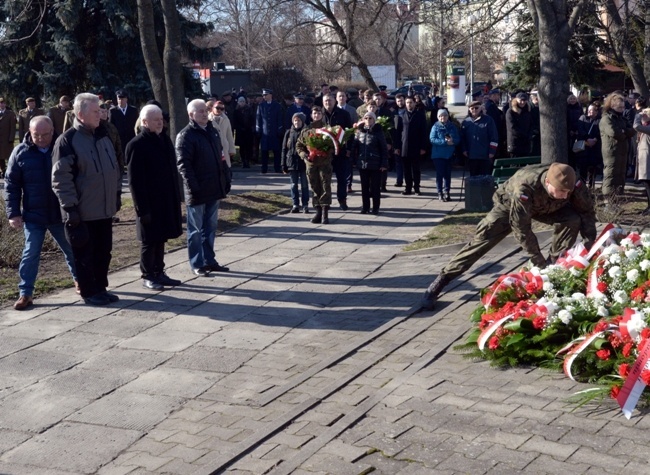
(588, 245)
(145, 219)
(73, 218)
(539, 260)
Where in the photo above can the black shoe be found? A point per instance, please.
(431, 295)
(295, 209)
(343, 204)
(164, 279)
(111, 297)
(217, 268)
(447, 197)
(305, 210)
(152, 284)
(374, 211)
(398, 184)
(384, 189)
(319, 215)
(407, 192)
(202, 271)
(441, 197)
(97, 299)
(364, 211)
(115, 219)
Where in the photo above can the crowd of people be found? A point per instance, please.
(88, 148)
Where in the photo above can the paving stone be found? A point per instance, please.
(431, 457)
(589, 456)
(513, 459)
(555, 450)
(10, 439)
(186, 454)
(151, 446)
(503, 437)
(36, 408)
(584, 438)
(533, 427)
(382, 464)
(173, 382)
(15, 469)
(548, 464)
(127, 410)
(119, 326)
(80, 344)
(387, 446)
(333, 464)
(130, 362)
(73, 447)
(242, 339)
(13, 344)
(347, 452)
(187, 440)
(30, 365)
(83, 383)
(155, 339)
(146, 461)
(177, 467)
(39, 328)
(205, 358)
(464, 464)
(255, 465)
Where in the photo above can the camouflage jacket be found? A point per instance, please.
(524, 197)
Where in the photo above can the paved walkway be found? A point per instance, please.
(306, 358)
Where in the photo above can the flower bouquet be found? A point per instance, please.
(320, 142)
(587, 315)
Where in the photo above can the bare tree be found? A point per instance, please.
(172, 61)
(394, 32)
(150, 52)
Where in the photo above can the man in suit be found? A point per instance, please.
(124, 116)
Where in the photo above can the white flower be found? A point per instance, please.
(646, 310)
(632, 275)
(644, 264)
(575, 272)
(547, 286)
(627, 242)
(645, 240)
(631, 254)
(602, 311)
(611, 249)
(615, 258)
(614, 272)
(565, 316)
(636, 323)
(620, 296)
(578, 296)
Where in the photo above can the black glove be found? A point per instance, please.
(145, 219)
(74, 218)
(588, 245)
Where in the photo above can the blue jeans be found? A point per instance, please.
(201, 229)
(443, 174)
(299, 178)
(342, 168)
(34, 237)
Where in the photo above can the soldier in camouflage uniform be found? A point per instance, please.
(546, 193)
(319, 170)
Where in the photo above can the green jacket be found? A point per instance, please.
(524, 198)
(614, 133)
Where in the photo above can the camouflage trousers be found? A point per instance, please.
(496, 226)
(320, 182)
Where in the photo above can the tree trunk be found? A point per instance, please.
(554, 33)
(150, 52)
(620, 36)
(173, 68)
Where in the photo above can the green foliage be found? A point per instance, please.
(83, 46)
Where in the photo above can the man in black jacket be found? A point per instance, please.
(124, 117)
(206, 179)
(412, 136)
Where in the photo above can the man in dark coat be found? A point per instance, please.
(7, 134)
(412, 144)
(206, 179)
(491, 105)
(25, 115)
(270, 130)
(58, 113)
(123, 116)
(154, 184)
(32, 205)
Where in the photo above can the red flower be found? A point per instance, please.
(623, 370)
(493, 344)
(601, 326)
(539, 323)
(614, 392)
(603, 354)
(600, 271)
(645, 333)
(602, 286)
(645, 376)
(615, 340)
(638, 293)
(627, 349)
(531, 287)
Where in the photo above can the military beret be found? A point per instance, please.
(30, 99)
(121, 93)
(64, 99)
(561, 176)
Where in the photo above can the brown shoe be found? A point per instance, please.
(25, 301)
(77, 289)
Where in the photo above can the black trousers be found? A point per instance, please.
(370, 188)
(411, 166)
(152, 255)
(93, 259)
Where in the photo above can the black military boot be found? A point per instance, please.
(319, 215)
(431, 295)
(326, 219)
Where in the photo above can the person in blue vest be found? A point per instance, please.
(270, 130)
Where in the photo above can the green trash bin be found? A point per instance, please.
(478, 193)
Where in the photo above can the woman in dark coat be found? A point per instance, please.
(155, 188)
(590, 160)
(370, 152)
(294, 166)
